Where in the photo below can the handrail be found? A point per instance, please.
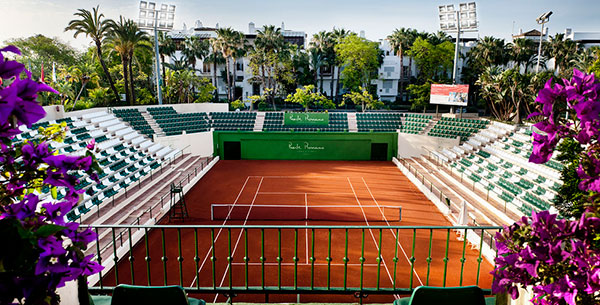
(293, 227)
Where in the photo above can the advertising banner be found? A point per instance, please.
(306, 118)
(455, 95)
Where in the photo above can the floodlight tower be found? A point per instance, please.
(153, 17)
(542, 19)
(458, 21)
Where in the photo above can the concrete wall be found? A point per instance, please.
(198, 144)
(411, 145)
(54, 112)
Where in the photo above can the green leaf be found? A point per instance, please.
(47, 230)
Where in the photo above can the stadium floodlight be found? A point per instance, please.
(157, 18)
(542, 19)
(458, 21)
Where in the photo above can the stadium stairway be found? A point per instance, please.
(142, 205)
(490, 212)
(429, 126)
(157, 130)
(260, 121)
(352, 122)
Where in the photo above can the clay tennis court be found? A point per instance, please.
(337, 193)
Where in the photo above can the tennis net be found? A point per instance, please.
(330, 212)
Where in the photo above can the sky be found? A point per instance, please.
(378, 18)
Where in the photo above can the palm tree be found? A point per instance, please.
(193, 49)
(323, 43)
(562, 50)
(270, 48)
(522, 51)
(94, 26)
(316, 61)
(215, 58)
(240, 47)
(166, 47)
(489, 52)
(337, 36)
(125, 37)
(225, 43)
(401, 40)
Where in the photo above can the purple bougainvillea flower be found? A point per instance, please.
(10, 68)
(6, 131)
(11, 48)
(66, 163)
(24, 208)
(590, 181)
(61, 179)
(543, 146)
(587, 111)
(8, 100)
(56, 211)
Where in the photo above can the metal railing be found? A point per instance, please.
(253, 259)
(160, 204)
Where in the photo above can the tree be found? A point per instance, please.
(584, 60)
(522, 52)
(92, 25)
(488, 52)
(420, 95)
(215, 58)
(434, 61)
(227, 42)
(400, 41)
(125, 37)
(166, 47)
(562, 50)
(184, 86)
(322, 43)
(267, 61)
(337, 36)
(308, 97)
(363, 98)
(193, 49)
(360, 59)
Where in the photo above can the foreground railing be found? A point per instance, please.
(252, 259)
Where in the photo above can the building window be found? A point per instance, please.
(206, 68)
(388, 84)
(239, 66)
(405, 72)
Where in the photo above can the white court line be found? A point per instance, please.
(219, 233)
(308, 177)
(300, 193)
(393, 233)
(239, 237)
(372, 236)
(300, 264)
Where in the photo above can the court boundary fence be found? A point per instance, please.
(122, 256)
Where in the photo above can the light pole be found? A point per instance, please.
(542, 19)
(458, 21)
(158, 19)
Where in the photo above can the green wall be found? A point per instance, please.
(305, 145)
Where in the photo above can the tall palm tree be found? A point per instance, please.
(166, 47)
(93, 25)
(225, 43)
(400, 41)
(490, 51)
(271, 47)
(522, 51)
(337, 36)
(322, 42)
(316, 61)
(125, 37)
(240, 48)
(194, 48)
(215, 58)
(562, 50)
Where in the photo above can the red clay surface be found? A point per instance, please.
(298, 183)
